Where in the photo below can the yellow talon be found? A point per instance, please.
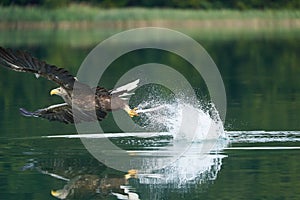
(131, 174)
(133, 112)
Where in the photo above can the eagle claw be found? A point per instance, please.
(133, 112)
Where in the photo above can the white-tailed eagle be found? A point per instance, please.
(88, 103)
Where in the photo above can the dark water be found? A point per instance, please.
(261, 76)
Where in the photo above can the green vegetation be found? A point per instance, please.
(195, 4)
(77, 12)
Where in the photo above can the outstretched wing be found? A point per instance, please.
(63, 113)
(60, 112)
(23, 62)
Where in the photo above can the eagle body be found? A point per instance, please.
(81, 102)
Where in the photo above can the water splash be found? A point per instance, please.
(184, 119)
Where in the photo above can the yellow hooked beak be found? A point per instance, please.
(60, 194)
(54, 193)
(54, 91)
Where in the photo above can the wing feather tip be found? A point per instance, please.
(26, 113)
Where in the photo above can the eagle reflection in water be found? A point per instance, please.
(83, 186)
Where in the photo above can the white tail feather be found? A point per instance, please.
(125, 99)
(126, 94)
(126, 88)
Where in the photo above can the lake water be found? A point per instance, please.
(256, 156)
